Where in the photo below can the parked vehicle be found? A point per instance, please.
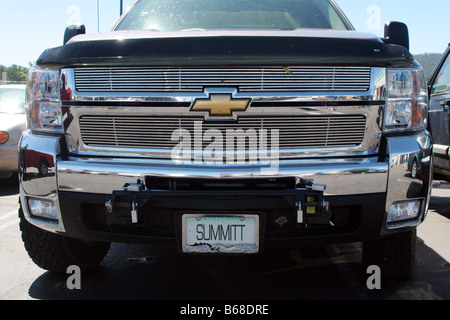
(439, 116)
(12, 125)
(226, 127)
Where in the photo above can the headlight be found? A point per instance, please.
(406, 99)
(44, 101)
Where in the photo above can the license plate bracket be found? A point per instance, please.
(220, 234)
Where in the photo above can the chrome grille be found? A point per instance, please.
(269, 79)
(151, 132)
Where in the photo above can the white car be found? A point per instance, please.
(12, 124)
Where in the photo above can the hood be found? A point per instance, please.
(306, 47)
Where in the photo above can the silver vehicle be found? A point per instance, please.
(12, 125)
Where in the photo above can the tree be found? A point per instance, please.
(15, 74)
(428, 62)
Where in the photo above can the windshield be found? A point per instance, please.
(182, 15)
(12, 100)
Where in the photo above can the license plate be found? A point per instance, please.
(237, 234)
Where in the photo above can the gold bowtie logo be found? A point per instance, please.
(220, 105)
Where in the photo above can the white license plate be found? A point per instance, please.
(220, 234)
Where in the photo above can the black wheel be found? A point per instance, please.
(43, 167)
(395, 255)
(55, 253)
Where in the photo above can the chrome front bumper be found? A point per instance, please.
(352, 176)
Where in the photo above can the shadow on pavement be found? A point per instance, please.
(439, 202)
(9, 187)
(441, 205)
(140, 272)
(321, 273)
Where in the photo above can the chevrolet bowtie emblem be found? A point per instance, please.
(220, 105)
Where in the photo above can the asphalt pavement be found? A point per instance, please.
(151, 273)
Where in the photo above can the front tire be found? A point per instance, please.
(53, 252)
(395, 254)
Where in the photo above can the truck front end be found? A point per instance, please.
(227, 141)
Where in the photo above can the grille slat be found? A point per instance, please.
(301, 79)
(149, 132)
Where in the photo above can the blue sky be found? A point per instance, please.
(28, 27)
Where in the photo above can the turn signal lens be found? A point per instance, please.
(4, 136)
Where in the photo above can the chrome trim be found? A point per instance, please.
(36, 182)
(369, 145)
(102, 176)
(402, 186)
(145, 132)
(263, 104)
(250, 79)
(359, 175)
(373, 93)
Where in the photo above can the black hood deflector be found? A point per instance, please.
(225, 50)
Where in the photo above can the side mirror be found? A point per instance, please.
(72, 31)
(396, 33)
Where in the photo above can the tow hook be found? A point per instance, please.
(134, 213)
(312, 208)
(123, 208)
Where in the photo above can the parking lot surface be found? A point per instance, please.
(145, 272)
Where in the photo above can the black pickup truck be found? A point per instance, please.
(226, 127)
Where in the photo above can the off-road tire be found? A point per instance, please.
(53, 252)
(395, 255)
